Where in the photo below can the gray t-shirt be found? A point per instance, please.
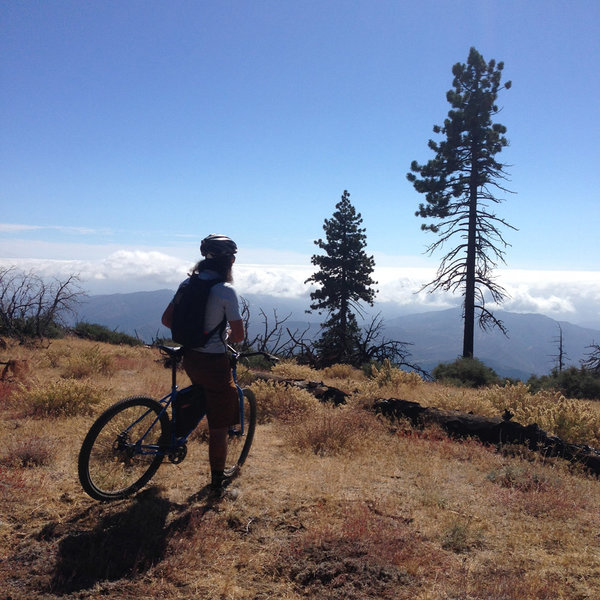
(222, 302)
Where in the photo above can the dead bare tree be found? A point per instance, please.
(29, 304)
(304, 348)
(592, 362)
(273, 338)
(561, 355)
(373, 346)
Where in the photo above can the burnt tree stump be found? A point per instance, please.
(324, 393)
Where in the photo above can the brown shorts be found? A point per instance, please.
(213, 373)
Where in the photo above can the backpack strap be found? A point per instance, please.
(220, 328)
(223, 324)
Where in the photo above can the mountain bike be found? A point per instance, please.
(128, 442)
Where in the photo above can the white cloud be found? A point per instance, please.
(272, 280)
(127, 264)
(565, 295)
(558, 294)
(17, 228)
(13, 227)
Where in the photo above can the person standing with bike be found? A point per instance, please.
(208, 366)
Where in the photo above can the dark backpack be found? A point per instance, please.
(188, 408)
(189, 309)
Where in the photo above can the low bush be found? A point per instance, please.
(342, 371)
(460, 536)
(465, 372)
(32, 451)
(276, 401)
(572, 420)
(62, 398)
(100, 333)
(91, 361)
(331, 431)
(572, 382)
(290, 369)
(519, 477)
(387, 375)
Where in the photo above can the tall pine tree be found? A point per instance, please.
(343, 281)
(459, 184)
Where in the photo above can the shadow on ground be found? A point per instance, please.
(121, 543)
(125, 540)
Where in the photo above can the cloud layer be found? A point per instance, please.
(563, 295)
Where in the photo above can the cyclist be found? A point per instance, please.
(208, 366)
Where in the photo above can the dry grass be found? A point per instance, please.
(62, 398)
(90, 362)
(290, 369)
(334, 503)
(276, 401)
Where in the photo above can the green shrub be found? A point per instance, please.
(100, 333)
(387, 375)
(460, 537)
(63, 398)
(465, 372)
(30, 328)
(572, 382)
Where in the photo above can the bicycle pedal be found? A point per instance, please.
(231, 472)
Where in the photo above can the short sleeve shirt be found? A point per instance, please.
(222, 302)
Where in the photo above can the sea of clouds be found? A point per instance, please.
(563, 295)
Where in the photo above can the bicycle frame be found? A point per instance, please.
(176, 442)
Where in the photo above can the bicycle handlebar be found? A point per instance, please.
(176, 352)
(254, 353)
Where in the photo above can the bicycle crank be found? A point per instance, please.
(177, 455)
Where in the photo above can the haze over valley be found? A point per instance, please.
(434, 336)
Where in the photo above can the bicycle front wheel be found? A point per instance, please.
(122, 450)
(240, 439)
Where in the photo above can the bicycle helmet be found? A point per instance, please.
(217, 245)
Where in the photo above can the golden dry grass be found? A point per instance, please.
(333, 504)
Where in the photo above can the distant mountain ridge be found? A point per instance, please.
(530, 347)
(434, 336)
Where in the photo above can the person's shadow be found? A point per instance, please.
(122, 543)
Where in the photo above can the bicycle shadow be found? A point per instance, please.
(125, 541)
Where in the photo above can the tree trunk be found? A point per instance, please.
(322, 392)
(489, 430)
(469, 312)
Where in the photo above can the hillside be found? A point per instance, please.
(434, 336)
(333, 503)
(529, 348)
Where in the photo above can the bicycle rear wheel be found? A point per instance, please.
(241, 441)
(121, 451)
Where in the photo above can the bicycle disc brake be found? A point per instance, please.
(123, 449)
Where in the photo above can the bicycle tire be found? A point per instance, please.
(239, 444)
(109, 467)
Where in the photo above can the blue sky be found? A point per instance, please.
(130, 129)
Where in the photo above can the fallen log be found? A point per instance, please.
(496, 431)
(324, 393)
